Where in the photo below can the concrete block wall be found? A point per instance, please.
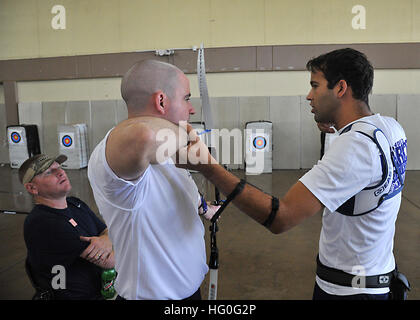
(296, 139)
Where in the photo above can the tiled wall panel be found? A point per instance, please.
(227, 116)
(285, 115)
(296, 139)
(384, 104)
(408, 112)
(4, 149)
(31, 113)
(310, 136)
(53, 114)
(252, 109)
(104, 117)
(121, 111)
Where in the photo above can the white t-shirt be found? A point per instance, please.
(359, 245)
(153, 223)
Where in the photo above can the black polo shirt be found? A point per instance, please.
(52, 237)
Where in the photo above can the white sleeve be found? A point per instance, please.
(351, 163)
(118, 192)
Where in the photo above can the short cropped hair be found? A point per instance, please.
(346, 64)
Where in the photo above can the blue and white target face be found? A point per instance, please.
(67, 140)
(15, 137)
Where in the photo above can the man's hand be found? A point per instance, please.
(195, 155)
(211, 210)
(325, 127)
(99, 249)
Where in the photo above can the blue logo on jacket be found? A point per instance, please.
(400, 155)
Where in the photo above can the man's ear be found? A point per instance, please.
(31, 188)
(341, 88)
(160, 101)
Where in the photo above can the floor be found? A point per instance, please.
(254, 264)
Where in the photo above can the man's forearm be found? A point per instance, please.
(295, 206)
(252, 201)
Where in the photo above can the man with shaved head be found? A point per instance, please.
(151, 207)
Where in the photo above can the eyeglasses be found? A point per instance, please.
(51, 171)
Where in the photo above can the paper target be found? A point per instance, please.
(15, 137)
(259, 143)
(66, 140)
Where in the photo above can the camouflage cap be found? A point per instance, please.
(37, 165)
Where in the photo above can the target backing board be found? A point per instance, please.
(259, 147)
(72, 140)
(23, 143)
(18, 149)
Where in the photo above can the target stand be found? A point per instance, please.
(258, 147)
(23, 143)
(73, 142)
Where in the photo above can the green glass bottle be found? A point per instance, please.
(108, 277)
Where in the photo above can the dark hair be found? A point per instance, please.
(345, 64)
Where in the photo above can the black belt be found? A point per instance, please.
(342, 278)
(196, 296)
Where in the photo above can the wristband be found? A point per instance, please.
(274, 207)
(238, 189)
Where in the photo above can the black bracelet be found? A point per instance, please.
(274, 207)
(238, 189)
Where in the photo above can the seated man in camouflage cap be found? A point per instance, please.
(62, 233)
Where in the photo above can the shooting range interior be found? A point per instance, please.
(61, 70)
